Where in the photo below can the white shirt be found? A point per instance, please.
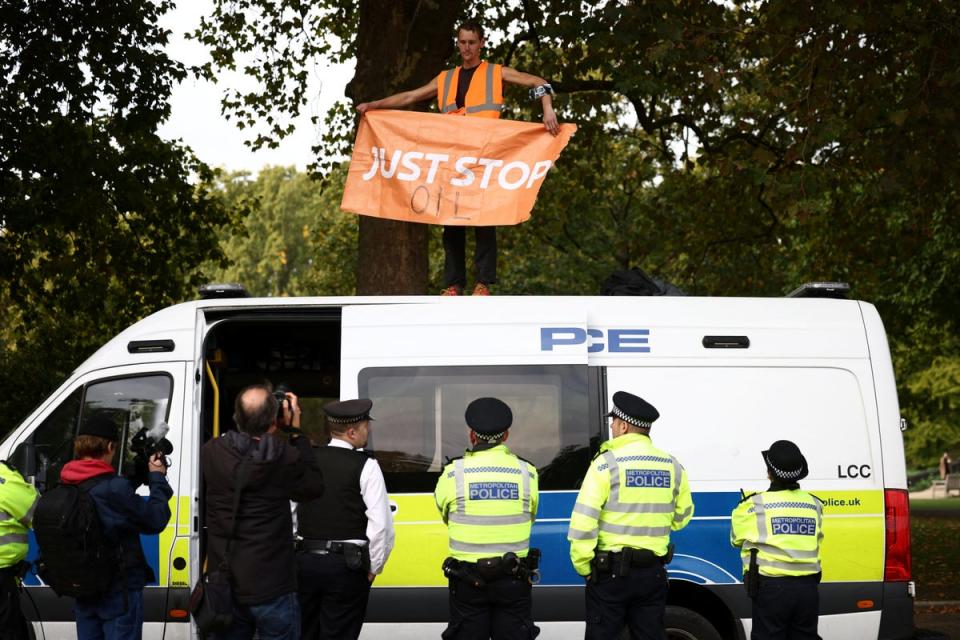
(379, 518)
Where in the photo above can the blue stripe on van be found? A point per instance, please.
(703, 553)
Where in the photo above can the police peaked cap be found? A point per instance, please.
(100, 425)
(785, 462)
(348, 411)
(633, 410)
(488, 416)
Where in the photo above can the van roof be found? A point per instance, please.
(178, 322)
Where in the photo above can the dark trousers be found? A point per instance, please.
(786, 609)
(117, 615)
(13, 626)
(333, 598)
(455, 258)
(501, 609)
(636, 601)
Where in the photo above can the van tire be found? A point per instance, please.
(685, 624)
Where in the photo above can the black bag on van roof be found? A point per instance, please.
(76, 557)
(636, 282)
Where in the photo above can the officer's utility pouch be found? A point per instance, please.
(668, 557)
(751, 579)
(603, 562)
(491, 568)
(354, 557)
(626, 561)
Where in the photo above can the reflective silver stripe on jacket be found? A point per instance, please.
(463, 518)
(577, 534)
(525, 475)
(639, 507)
(677, 476)
(680, 517)
(489, 104)
(586, 510)
(793, 554)
(460, 482)
(28, 518)
(611, 459)
(809, 567)
(761, 516)
(447, 83)
(651, 532)
(492, 548)
(15, 538)
(4, 516)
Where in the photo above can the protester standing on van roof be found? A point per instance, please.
(488, 499)
(124, 515)
(779, 532)
(261, 563)
(17, 500)
(632, 497)
(475, 88)
(345, 536)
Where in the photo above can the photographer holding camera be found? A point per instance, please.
(261, 557)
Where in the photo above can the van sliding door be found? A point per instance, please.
(422, 364)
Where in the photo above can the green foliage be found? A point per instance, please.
(293, 240)
(99, 221)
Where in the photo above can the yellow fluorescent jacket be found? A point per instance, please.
(785, 527)
(488, 500)
(17, 501)
(633, 495)
(484, 97)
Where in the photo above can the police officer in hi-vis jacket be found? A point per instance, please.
(488, 499)
(779, 532)
(632, 497)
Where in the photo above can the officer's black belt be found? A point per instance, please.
(620, 562)
(324, 546)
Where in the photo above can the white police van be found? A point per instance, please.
(728, 375)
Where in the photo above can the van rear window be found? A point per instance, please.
(420, 425)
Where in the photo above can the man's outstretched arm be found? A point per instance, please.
(529, 80)
(402, 99)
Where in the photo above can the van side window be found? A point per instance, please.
(419, 419)
(133, 403)
(53, 440)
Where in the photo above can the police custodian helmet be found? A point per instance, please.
(633, 410)
(785, 462)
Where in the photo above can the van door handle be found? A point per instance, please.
(393, 506)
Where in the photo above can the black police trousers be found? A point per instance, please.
(786, 609)
(455, 258)
(636, 601)
(333, 598)
(500, 609)
(13, 626)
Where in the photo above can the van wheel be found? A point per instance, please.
(684, 624)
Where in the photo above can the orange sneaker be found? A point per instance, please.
(481, 290)
(452, 290)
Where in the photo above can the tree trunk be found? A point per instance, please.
(401, 45)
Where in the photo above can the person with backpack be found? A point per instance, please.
(113, 612)
(17, 500)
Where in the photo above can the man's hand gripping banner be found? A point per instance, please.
(437, 169)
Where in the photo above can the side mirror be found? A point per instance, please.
(24, 458)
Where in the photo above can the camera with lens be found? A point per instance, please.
(145, 444)
(280, 393)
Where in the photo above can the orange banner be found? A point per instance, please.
(449, 170)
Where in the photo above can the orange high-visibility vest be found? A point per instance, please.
(484, 97)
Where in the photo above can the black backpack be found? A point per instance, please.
(76, 557)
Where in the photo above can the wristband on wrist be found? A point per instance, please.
(538, 92)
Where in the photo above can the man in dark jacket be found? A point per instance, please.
(117, 614)
(261, 560)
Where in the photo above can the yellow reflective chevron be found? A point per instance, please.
(18, 499)
(633, 495)
(786, 529)
(488, 498)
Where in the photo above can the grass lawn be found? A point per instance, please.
(935, 543)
